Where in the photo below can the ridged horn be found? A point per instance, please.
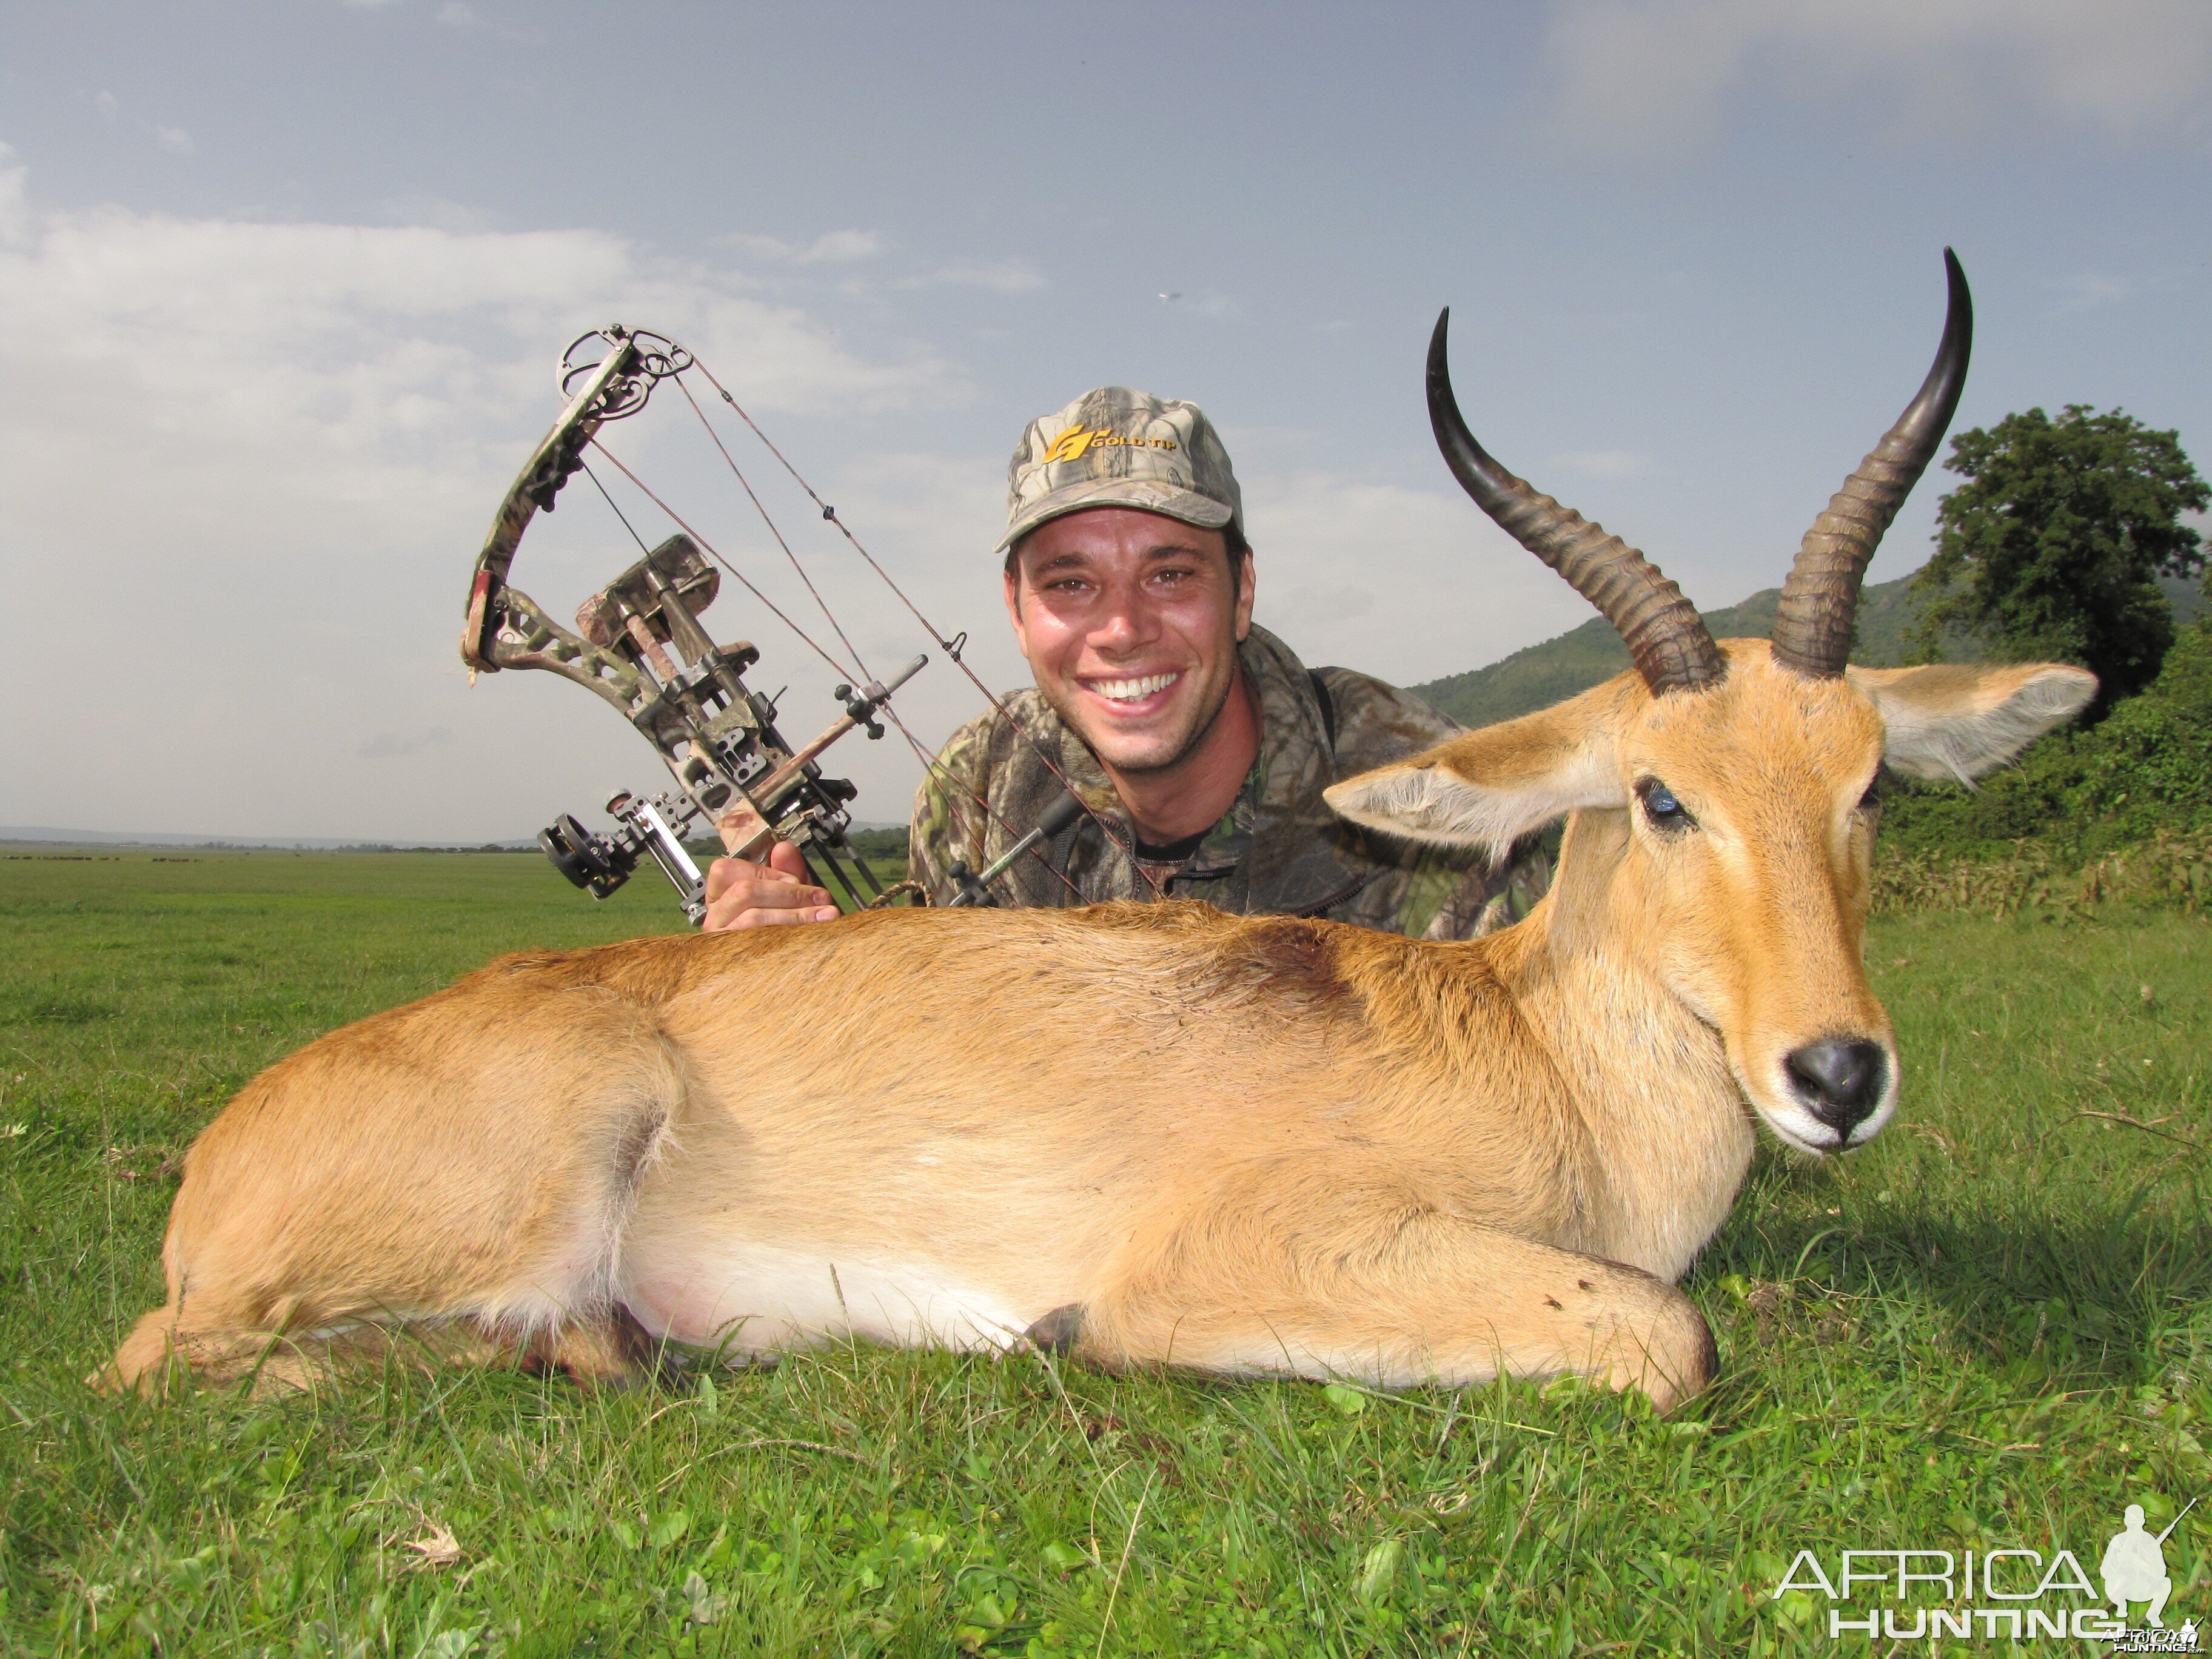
(1665, 637)
(1820, 601)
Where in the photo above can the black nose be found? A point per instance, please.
(1839, 1080)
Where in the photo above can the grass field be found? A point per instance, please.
(1993, 1327)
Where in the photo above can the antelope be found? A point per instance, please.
(1150, 1134)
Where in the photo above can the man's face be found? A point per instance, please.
(1130, 621)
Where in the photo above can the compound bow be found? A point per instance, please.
(639, 646)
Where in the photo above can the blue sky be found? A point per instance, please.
(284, 284)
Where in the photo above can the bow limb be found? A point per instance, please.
(520, 636)
(610, 384)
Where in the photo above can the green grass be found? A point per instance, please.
(1990, 1328)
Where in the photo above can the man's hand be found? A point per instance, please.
(744, 895)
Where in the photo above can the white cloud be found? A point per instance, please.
(998, 275)
(856, 248)
(1630, 75)
(2087, 290)
(259, 458)
(175, 140)
(834, 247)
(1407, 585)
(840, 246)
(15, 199)
(367, 363)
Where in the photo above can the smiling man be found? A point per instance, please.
(1197, 738)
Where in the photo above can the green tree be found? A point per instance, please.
(2053, 547)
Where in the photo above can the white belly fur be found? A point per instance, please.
(748, 1299)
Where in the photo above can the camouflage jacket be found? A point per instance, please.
(1278, 849)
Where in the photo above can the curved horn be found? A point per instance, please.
(1820, 601)
(1663, 632)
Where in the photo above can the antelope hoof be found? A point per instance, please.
(1056, 1333)
(1681, 1359)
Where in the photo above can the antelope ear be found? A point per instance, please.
(1490, 787)
(1955, 721)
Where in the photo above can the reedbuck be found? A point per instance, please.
(1159, 1134)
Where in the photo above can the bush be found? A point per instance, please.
(2150, 763)
(879, 843)
(2172, 869)
(2147, 768)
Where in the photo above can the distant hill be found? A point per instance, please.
(51, 835)
(1574, 661)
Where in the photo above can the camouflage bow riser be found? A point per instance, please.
(639, 646)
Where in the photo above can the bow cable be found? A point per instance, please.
(820, 603)
(618, 513)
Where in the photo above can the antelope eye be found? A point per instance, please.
(1661, 810)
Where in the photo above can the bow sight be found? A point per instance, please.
(640, 646)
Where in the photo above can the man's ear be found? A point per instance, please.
(1489, 788)
(1014, 600)
(1958, 721)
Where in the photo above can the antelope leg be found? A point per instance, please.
(464, 1166)
(1305, 1269)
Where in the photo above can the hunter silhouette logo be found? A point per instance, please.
(2004, 1595)
(2134, 1568)
(1078, 441)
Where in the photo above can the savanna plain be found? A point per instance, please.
(1991, 1327)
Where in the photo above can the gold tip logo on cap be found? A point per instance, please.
(1072, 444)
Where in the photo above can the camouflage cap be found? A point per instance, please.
(1116, 447)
